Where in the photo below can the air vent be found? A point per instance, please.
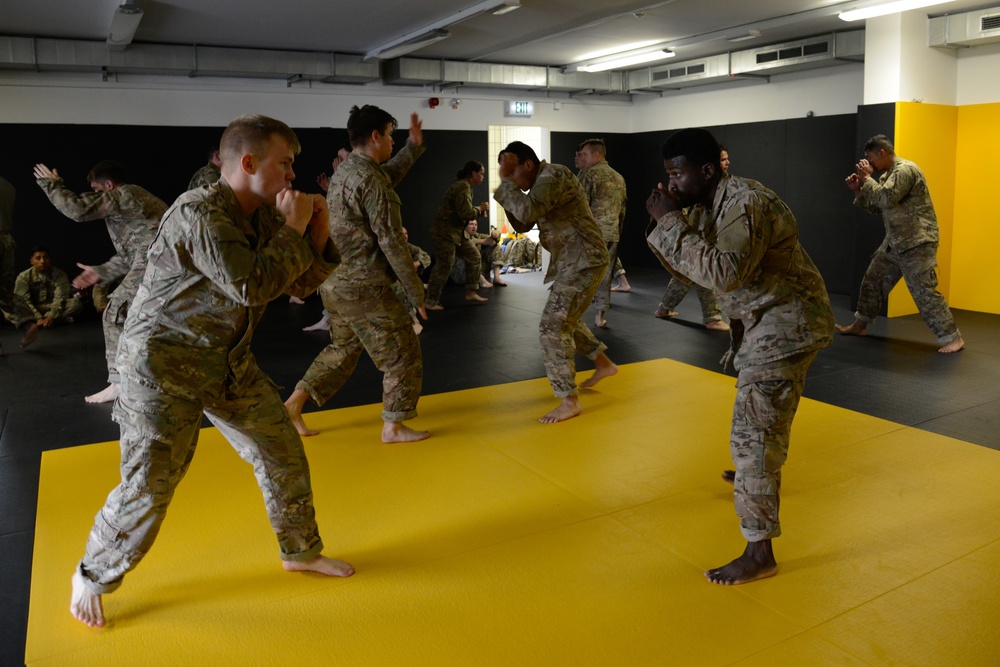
(816, 48)
(678, 72)
(768, 57)
(792, 52)
(990, 22)
(970, 29)
(807, 53)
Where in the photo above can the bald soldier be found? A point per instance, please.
(224, 251)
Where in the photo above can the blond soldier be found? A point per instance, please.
(909, 250)
(453, 215)
(14, 309)
(132, 216)
(605, 190)
(223, 253)
(365, 314)
(45, 289)
(208, 174)
(737, 238)
(556, 202)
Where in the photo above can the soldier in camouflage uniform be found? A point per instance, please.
(132, 216)
(453, 215)
(365, 314)
(14, 309)
(223, 252)
(557, 203)
(736, 237)
(909, 250)
(208, 174)
(45, 289)
(677, 289)
(490, 255)
(605, 190)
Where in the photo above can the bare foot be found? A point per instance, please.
(400, 432)
(322, 325)
(604, 368)
(569, 408)
(499, 283)
(106, 395)
(321, 565)
(621, 288)
(470, 295)
(857, 328)
(294, 406)
(599, 320)
(30, 334)
(436, 306)
(953, 346)
(729, 476)
(664, 314)
(295, 300)
(757, 562)
(417, 327)
(717, 325)
(85, 605)
(484, 283)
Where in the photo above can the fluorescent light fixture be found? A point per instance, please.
(124, 23)
(418, 42)
(435, 32)
(750, 34)
(888, 8)
(626, 61)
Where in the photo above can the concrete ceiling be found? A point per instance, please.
(541, 32)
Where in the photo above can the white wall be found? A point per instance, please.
(48, 98)
(825, 92)
(978, 75)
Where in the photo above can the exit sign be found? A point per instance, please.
(515, 108)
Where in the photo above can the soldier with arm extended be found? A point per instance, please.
(557, 204)
(737, 238)
(365, 314)
(132, 215)
(223, 253)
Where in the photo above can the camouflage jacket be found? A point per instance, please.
(366, 226)
(605, 189)
(746, 249)
(205, 176)
(902, 198)
(455, 211)
(7, 195)
(418, 254)
(210, 272)
(44, 293)
(557, 204)
(130, 212)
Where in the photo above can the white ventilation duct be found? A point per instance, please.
(968, 29)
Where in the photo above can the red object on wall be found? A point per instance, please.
(433, 102)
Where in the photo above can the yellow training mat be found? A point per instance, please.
(502, 541)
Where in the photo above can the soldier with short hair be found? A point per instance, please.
(208, 174)
(365, 314)
(223, 253)
(737, 238)
(909, 250)
(605, 190)
(45, 289)
(555, 201)
(132, 215)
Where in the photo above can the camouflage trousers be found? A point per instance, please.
(602, 298)
(159, 435)
(444, 258)
(562, 331)
(369, 319)
(13, 307)
(114, 316)
(677, 290)
(767, 397)
(918, 267)
(619, 269)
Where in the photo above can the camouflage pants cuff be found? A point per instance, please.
(302, 385)
(864, 318)
(114, 377)
(563, 393)
(304, 556)
(601, 349)
(391, 417)
(714, 318)
(944, 340)
(93, 586)
(760, 535)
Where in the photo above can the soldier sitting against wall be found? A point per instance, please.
(46, 291)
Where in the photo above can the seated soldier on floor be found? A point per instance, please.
(46, 291)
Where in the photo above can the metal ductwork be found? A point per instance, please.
(450, 73)
(675, 76)
(802, 54)
(63, 55)
(968, 29)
